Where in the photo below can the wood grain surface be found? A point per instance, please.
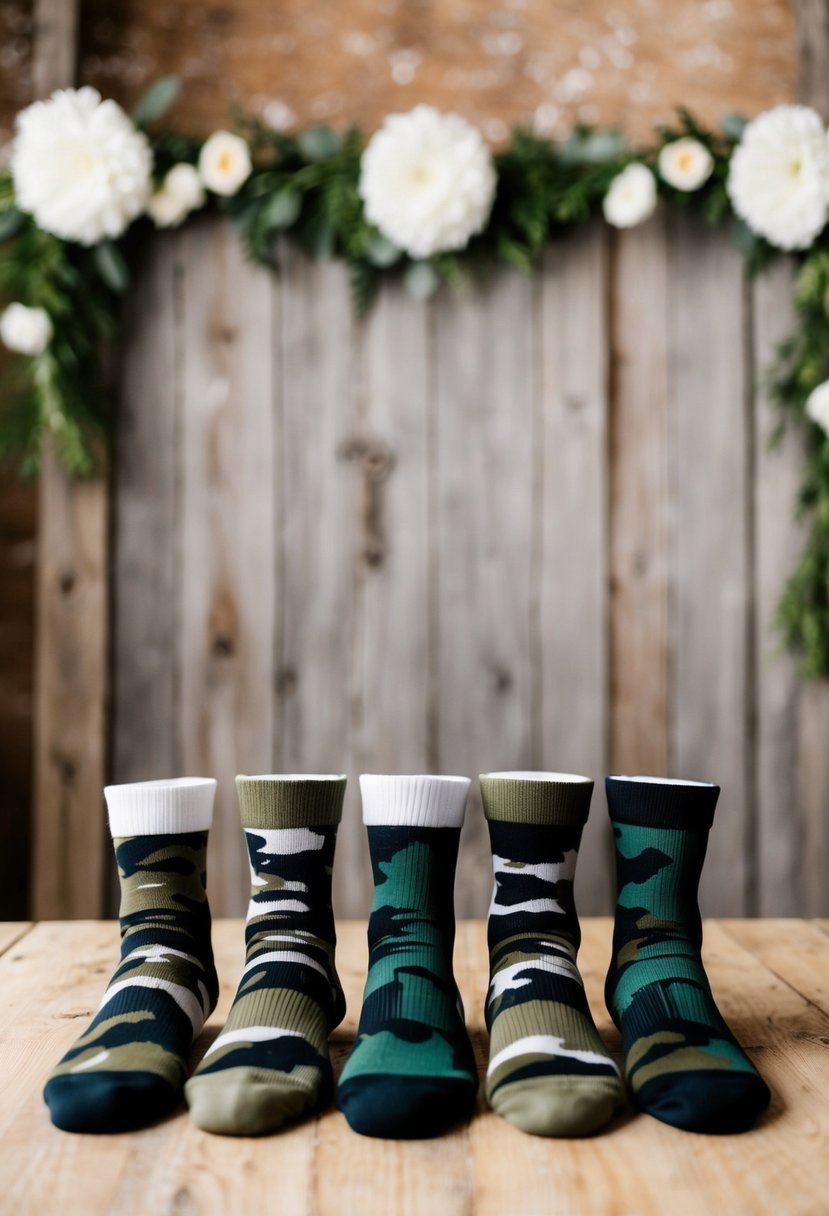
(771, 979)
(551, 63)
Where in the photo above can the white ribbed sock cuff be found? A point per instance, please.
(151, 808)
(417, 801)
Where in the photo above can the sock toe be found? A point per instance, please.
(108, 1101)
(715, 1103)
(248, 1101)
(405, 1108)
(559, 1106)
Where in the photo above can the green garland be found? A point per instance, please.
(305, 187)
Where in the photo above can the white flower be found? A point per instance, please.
(817, 406)
(427, 181)
(224, 163)
(685, 164)
(631, 198)
(778, 181)
(181, 192)
(80, 166)
(25, 330)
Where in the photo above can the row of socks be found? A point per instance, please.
(412, 1071)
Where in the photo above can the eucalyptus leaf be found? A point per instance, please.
(733, 125)
(421, 280)
(283, 210)
(318, 143)
(10, 222)
(112, 268)
(381, 252)
(156, 101)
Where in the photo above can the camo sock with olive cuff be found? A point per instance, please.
(270, 1064)
(128, 1068)
(549, 1072)
(412, 1071)
(683, 1064)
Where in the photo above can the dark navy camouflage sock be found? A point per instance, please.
(129, 1066)
(683, 1064)
(270, 1063)
(549, 1071)
(412, 1071)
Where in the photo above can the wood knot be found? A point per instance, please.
(67, 582)
(376, 461)
(285, 679)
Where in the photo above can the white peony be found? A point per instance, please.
(778, 181)
(685, 164)
(817, 406)
(224, 163)
(80, 166)
(427, 181)
(181, 192)
(631, 198)
(25, 330)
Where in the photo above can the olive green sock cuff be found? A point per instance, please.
(290, 801)
(553, 799)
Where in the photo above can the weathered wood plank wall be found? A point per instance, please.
(535, 525)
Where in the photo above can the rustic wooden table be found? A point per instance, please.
(771, 978)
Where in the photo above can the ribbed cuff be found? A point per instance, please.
(153, 808)
(291, 800)
(415, 801)
(554, 799)
(651, 802)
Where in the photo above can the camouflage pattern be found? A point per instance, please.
(164, 988)
(270, 1063)
(682, 1062)
(548, 1070)
(412, 1070)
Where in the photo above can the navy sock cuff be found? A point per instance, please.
(686, 807)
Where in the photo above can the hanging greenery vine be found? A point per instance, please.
(424, 200)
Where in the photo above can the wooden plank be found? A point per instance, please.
(811, 19)
(639, 555)
(53, 979)
(12, 931)
(146, 560)
(796, 951)
(318, 512)
(71, 624)
(485, 426)
(792, 717)
(227, 543)
(392, 691)
(710, 450)
(571, 658)
(499, 64)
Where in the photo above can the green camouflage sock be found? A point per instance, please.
(270, 1063)
(549, 1071)
(128, 1068)
(412, 1070)
(683, 1064)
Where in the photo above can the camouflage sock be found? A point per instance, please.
(270, 1063)
(128, 1068)
(683, 1064)
(412, 1070)
(549, 1071)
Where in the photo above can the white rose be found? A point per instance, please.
(427, 181)
(778, 180)
(685, 164)
(817, 406)
(181, 192)
(224, 163)
(25, 330)
(80, 167)
(631, 198)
